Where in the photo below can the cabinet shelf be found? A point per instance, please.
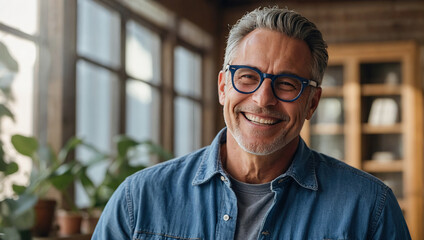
(381, 89)
(332, 91)
(383, 166)
(381, 129)
(327, 129)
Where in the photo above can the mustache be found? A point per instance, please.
(265, 111)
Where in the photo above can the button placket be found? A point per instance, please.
(226, 224)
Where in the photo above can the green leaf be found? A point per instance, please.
(25, 220)
(3, 164)
(64, 169)
(18, 189)
(157, 150)
(63, 177)
(25, 145)
(70, 145)
(47, 158)
(4, 111)
(11, 233)
(24, 203)
(7, 59)
(7, 168)
(87, 184)
(11, 168)
(98, 157)
(62, 182)
(20, 212)
(124, 144)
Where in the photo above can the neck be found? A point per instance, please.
(256, 169)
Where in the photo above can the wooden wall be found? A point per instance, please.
(203, 13)
(354, 21)
(339, 21)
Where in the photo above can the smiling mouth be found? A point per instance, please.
(259, 120)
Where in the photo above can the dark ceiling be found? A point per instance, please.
(235, 3)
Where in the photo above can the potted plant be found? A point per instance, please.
(120, 166)
(49, 170)
(53, 170)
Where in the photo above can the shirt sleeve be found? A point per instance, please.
(115, 222)
(391, 223)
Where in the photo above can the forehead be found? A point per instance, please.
(274, 52)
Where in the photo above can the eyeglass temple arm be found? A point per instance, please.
(313, 83)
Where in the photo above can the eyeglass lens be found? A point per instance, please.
(247, 80)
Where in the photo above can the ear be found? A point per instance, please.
(314, 103)
(221, 87)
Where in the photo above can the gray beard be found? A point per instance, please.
(257, 148)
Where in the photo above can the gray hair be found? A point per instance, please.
(285, 21)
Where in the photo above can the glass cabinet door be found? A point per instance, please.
(327, 124)
(382, 136)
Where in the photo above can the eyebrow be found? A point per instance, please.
(279, 73)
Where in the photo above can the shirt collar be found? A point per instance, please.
(211, 161)
(302, 169)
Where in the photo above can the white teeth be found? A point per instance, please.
(257, 119)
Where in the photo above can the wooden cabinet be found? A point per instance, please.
(370, 116)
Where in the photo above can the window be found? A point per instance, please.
(143, 69)
(187, 104)
(98, 33)
(19, 44)
(143, 91)
(118, 82)
(130, 72)
(97, 82)
(105, 68)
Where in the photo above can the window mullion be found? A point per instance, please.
(167, 133)
(122, 76)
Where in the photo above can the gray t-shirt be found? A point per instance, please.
(253, 202)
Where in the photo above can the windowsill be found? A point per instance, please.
(73, 237)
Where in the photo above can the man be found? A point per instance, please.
(258, 179)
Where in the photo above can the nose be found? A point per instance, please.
(264, 96)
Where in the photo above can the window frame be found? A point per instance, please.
(171, 36)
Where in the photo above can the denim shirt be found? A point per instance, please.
(191, 197)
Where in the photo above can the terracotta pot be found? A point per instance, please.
(44, 216)
(69, 223)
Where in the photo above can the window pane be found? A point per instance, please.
(20, 14)
(142, 53)
(98, 33)
(142, 116)
(187, 126)
(188, 77)
(97, 115)
(19, 82)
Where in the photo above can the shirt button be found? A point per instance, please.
(226, 217)
(223, 179)
(265, 233)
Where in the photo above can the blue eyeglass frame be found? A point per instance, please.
(305, 82)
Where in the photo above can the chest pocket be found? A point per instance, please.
(146, 235)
